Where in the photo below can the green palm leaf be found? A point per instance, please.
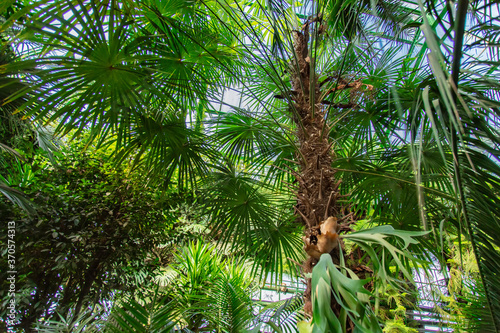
(131, 316)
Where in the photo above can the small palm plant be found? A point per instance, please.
(203, 293)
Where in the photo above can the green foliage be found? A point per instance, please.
(86, 321)
(132, 75)
(417, 150)
(210, 292)
(382, 253)
(393, 309)
(17, 138)
(350, 291)
(461, 103)
(247, 215)
(93, 233)
(281, 316)
(131, 316)
(204, 293)
(397, 326)
(466, 298)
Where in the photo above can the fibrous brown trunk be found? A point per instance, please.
(317, 194)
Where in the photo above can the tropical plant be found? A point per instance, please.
(333, 123)
(92, 236)
(280, 316)
(201, 293)
(13, 131)
(349, 290)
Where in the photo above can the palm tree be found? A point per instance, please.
(357, 129)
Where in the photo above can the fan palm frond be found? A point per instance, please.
(17, 197)
(131, 316)
(281, 316)
(251, 218)
(467, 118)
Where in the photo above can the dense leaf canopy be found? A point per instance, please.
(206, 99)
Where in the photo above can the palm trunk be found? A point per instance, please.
(317, 194)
